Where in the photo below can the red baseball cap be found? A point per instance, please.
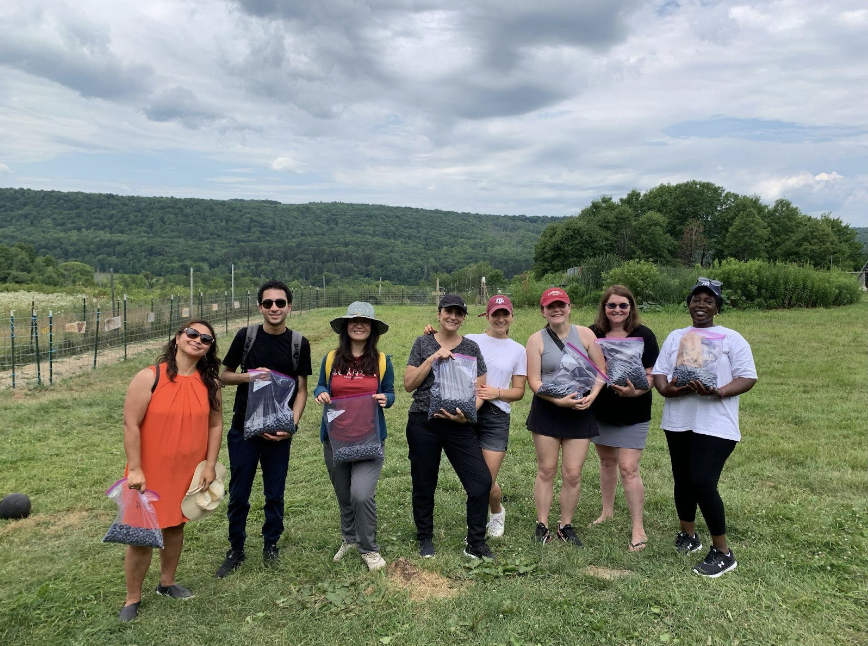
(498, 302)
(553, 294)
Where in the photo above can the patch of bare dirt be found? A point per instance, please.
(48, 523)
(606, 573)
(420, 584)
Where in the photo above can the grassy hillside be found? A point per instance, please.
(794, 490)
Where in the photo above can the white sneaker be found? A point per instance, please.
(374, 560)
(495, 523)
(345, 549)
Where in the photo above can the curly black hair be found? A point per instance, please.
(208, 366)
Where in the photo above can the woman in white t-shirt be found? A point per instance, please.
(701, 426)
(505, 381)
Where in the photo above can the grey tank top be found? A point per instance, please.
(551, 355)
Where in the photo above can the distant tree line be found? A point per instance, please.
(164, 237)
(696, 223)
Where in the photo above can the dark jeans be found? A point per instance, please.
(427, 439)
(697, 462)
(244, 457)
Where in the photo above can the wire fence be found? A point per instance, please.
(39, 347)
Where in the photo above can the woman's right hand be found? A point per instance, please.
(136, 479)
(441, 355)
(323, 398)
(671, 390)
(569, 401)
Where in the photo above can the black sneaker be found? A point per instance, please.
(481, 551)
(568, 535)
(232, 562)
(426, 548)
(687, 544)
(541, 535)
(270, 556)
(716, 563)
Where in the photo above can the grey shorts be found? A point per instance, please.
(492, 428)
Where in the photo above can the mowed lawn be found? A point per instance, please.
(795, 492)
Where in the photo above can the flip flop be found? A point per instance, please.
(638, 547)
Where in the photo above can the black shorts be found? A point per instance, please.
(554, 421)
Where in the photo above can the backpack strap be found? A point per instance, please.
(330, 360)
(249, 338)
(296, 349)
(156, 377)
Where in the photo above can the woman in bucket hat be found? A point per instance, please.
(356, 369)
(173, 419)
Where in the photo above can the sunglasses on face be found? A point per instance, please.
(193, 333)
(620, 306)
(267, 303)
(702, 280)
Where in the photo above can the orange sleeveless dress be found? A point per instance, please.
(174, 440)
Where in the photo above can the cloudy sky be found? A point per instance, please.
(491, 106)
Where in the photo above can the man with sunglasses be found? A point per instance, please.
(273, 347)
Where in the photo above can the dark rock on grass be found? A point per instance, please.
(15, 506)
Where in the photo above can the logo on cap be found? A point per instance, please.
(499, 301)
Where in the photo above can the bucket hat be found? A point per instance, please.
(360, 310)
(199, 503)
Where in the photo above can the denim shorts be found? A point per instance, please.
(492, 428)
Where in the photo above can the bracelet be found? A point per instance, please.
(498, 393)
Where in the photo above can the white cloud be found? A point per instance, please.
(520, 107)
(285, 163)
(5, 169)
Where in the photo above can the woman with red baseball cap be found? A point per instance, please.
(560, 426)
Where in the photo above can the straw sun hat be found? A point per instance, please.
(199, 503)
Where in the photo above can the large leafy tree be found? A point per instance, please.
(748, 237)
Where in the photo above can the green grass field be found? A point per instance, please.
(795, 492)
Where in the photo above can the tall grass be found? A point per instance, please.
(795, 493)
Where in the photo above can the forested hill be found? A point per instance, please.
(165, 236)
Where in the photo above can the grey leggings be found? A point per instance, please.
(355, 485)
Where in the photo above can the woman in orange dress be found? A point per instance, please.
(173, 420)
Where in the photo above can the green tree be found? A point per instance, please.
(747, 237)
(651, 241)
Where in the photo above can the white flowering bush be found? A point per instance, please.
(20, 302)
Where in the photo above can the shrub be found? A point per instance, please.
(640, 276)
(782, 285)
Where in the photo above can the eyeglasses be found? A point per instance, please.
(622, 306)
(267, 303)
(702, 280)
(193, 333)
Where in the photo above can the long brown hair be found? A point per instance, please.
(630, 323)
(369, 361)
(207, 366)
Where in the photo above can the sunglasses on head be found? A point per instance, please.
(621, 306)
(193, 333)
(267, 303)
(702, 280)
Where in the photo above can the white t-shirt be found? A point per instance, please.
(704, 414)
(503, 358)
